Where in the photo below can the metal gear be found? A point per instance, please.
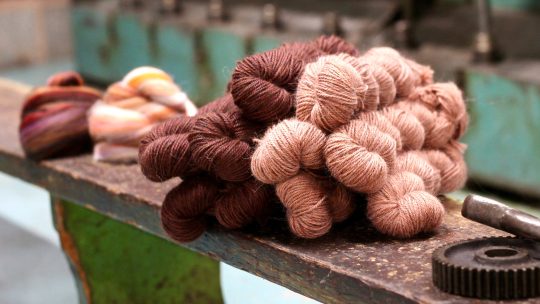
(496, 268)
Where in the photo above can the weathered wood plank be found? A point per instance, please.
(352, 264)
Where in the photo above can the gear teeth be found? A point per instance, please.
(504, 282)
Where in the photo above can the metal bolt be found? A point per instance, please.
(332, 24)
(270, 17)
(497, 215)
(216, 11)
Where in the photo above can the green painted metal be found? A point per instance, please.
(91, 40)
(123, 264)
(516, 4)
(221, 49)
(173, 50)
(503, 135)
(263, 43)
(503, 4)
(110, 44)
(130, 44)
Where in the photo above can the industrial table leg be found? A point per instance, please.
(114, 262)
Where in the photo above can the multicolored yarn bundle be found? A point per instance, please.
(211, 152)
(130, 108)
(53, 122)
(380, 127)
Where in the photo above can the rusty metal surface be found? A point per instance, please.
(71, 251)
(352, 264)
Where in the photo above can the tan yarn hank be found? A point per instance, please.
(311, 206)
(402, 208)
(285, 149)
(329, 93)
(284, 157)
(360, 155)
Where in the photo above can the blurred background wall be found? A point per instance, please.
(34, 31)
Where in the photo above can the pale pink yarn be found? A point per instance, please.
(411, 130)
(285, 149)
(379, 126)
(329, 93)
(313, 204)
(288, 156)
(451, 165)
(388, 58)
(440, 109)
(445, 100)
(416, 162)
(361, 154)
(403, 208)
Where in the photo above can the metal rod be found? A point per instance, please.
(497, 215)
(484, 45)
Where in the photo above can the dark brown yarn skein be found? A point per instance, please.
(221, 144)
(183, 213)
(329, 45)
(242, 203)
(186, 208)
(222, 104)
(165, 152)
(263, 85)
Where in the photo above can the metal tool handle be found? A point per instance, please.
(497, 215)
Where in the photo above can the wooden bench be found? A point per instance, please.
(107, 217)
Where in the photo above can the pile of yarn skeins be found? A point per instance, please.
(309, 131)
(314, 129)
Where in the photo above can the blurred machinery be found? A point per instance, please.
(492, 48)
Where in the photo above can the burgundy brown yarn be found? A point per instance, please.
(242, 203)
(207, 151)
(222, 104)
(263, 85)
(165, 152)
(221, 145)
(183, 213)
(65, 79)
(334, 45)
